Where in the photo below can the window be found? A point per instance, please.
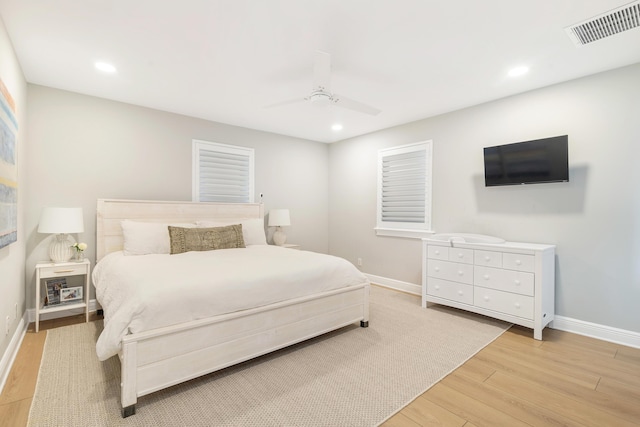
(404, 190)
(222, 173)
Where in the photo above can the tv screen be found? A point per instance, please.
(528, 162)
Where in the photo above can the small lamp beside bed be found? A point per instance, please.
(61, 222)
(279, 218)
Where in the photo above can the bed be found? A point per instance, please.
(154, 357)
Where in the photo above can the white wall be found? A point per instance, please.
(83, 148)
(594, 219)
(12, 264)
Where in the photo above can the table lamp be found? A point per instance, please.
(279, 218)
(61, 221)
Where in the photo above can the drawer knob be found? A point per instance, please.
(487, 258)
(437, 287)
(460, 255)
(437, 269)
(517, 282)
(460, 273)
(437, 252)
(486, 298)
(518, 262)
(460, 293)
(485, 277)
(517, 305)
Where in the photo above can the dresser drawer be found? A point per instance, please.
(438, 252)
(461, 255)
(450, 290)
(487, 258)
(451, 271)
(503, 302)
(504, 280)
(519, 262)
(63, 270)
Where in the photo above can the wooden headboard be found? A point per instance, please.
(110, 212)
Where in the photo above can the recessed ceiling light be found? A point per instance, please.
(336, 127)
(518, 71)
(106, 67)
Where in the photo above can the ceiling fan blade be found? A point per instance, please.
(287, 102)
(345, 102)
(322, 71)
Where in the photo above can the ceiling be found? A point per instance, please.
(225, 60)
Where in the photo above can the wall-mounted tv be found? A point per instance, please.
(528, 162)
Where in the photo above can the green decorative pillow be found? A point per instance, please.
(205, 239)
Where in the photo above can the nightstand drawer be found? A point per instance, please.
(63, 270)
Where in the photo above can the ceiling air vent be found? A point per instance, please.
(613, 22)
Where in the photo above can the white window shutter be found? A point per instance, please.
(222, 173)
(404, 187)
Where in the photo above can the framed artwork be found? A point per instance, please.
(70, 294)
(8, 169)
(53, 290)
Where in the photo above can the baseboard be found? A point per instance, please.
(410, 288)
(580, 327)
(9, 356)
(593, 330)
(93, 306)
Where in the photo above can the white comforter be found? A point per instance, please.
(140, 293)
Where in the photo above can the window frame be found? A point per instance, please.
(406, 229)
(198, 146)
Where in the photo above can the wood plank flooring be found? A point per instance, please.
(15, 400)
(564, 380)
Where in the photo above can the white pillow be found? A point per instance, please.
(252, 229)
(142, 238)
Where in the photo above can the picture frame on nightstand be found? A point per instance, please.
(71, 294)
(53, 287)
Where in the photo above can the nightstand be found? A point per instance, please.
(291, 246)
(49, 272)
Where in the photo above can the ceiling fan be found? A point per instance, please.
(321, 94)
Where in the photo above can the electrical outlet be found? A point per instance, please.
(359, 262)
(6, 330)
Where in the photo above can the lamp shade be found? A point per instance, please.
(61, 220)
(279, 217)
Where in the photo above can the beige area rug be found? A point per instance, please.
(351, 377)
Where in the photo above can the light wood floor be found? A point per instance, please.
(564, 380)
(15, 400)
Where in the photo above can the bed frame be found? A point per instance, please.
(160, 358)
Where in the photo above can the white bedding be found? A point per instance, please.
(140, 293)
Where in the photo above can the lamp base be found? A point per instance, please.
(60, 249)
(279, 238)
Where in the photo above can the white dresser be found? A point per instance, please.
(510, 281)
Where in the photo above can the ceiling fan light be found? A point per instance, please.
(320, 99)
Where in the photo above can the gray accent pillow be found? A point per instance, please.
(205, 239)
